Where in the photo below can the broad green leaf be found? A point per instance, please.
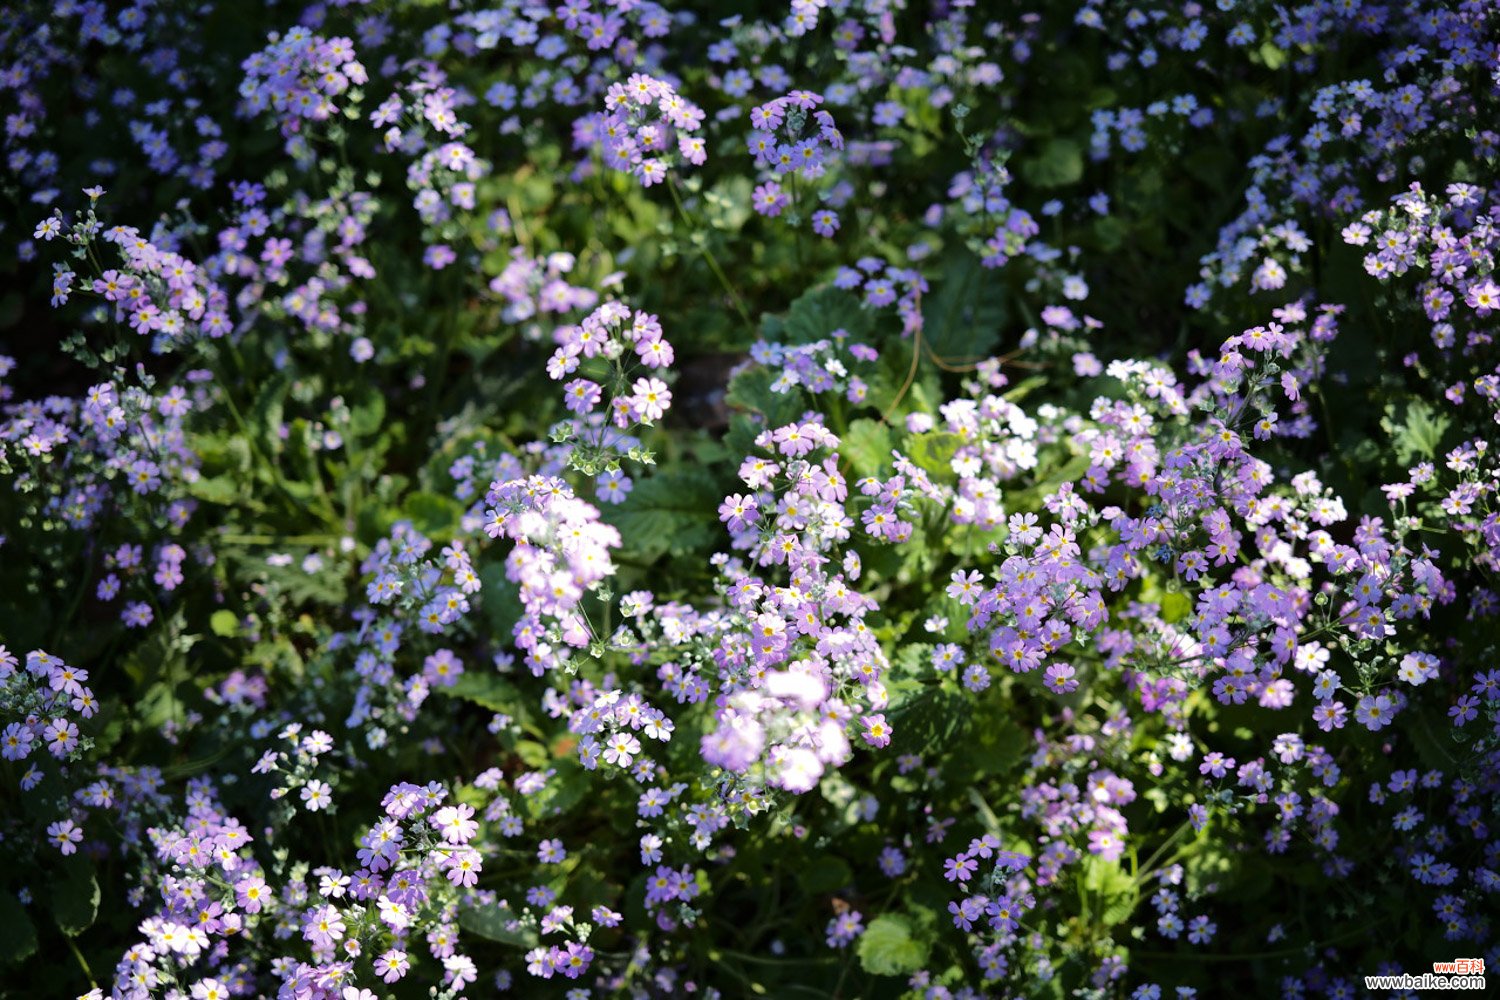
(826, 874)
(223, 623)
(1112, 886)
(1175, 606)
(817, 315)
(224, 491)
(963, 317)
(933, 451)
(1416, 429)
(867, 446)
(497, 923)
(266, 412)
(888, 948)
(17, 935)
(500, 599)
(564, 790)
(432, 513)
(750, 390)
(669, 513)
(486, 689)
(1060, 162)
(75, 900)
(366, 418)
(930, 721)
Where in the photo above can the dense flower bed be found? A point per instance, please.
(845, 499)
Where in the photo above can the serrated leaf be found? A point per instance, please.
(367, 417)
(930, 721)
(963, 317)
(564, 789)
(817, 315)
(750, 390)
(1416, 429)
(1112, 885)
(487, 690)
(497, 923)
(888, 948)
(669, 513)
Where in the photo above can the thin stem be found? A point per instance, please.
(83, 962)
(713, 262)
(911, 375)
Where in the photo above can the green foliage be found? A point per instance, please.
(867, 447)
(17, 934)
(669, 513)
(1416, 429)
(890, 946)
(1058, 164)
(964, 317)
(497, 923)
(75, 898)
(1110, 890)
(934, 451)
(819, 314)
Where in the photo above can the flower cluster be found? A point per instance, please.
(300, 76)
(792, 159)
(970, 601)
(561, 555)
(647, 127)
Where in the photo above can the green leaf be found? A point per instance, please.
(1416, 429)
(962, 319)
(827, 874)
(1059, 163)
(497, 923)
(887, 947)
(1273, 57)
(366, 418)
(17, 935)
(563, 790)
(266, 412)
(751, 390)
(930, 721)
(223, 491)
(487, 690)
(1175, 606)
(75, 900)
(816, 315)
(500, 598)
(432, 513)
(867, 446)
(1112, 885)
(933, 451)
(668, 513)
(223, 623)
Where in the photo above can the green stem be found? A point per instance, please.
(713, 262)
(243, 539)
(1146, 870)
(83, 962)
